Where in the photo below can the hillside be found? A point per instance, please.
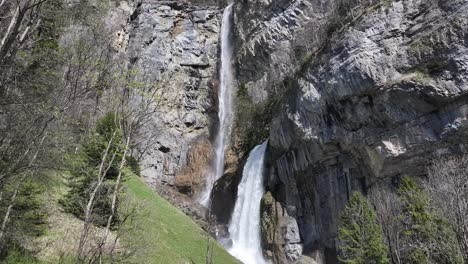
(169, 235)
(159, 233)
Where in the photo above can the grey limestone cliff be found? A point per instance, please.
(349, 93)
(174, 45)
(370, 98)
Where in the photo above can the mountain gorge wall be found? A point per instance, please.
(349, 93)
(174, 45)
(367, 101)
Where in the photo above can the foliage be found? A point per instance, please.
(388, 209)
(360, 235)
(107, 130)
(448, 188)
(84, 168)
(427, 238)
(20, 256)
(27, 82)
(28, 217)
(50, 78)
(253, 120)
(415, 203)
(134, 165)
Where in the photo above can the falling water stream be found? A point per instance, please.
(245, 221)
(244, 228)
(225, 106)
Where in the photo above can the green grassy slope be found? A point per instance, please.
(168, 235)
(159, 234)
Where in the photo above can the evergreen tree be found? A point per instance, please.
(427, 238)
(361, 238)
(84, 167)
(28, 216)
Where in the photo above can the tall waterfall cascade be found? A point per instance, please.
(244, 228)
(225, 106)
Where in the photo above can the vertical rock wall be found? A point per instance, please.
(174, 46)
(350, 106)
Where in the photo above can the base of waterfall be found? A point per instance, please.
(247, 255)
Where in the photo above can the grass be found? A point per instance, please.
(166, 234)
(59, 243)
(20, 257)
(160, 233)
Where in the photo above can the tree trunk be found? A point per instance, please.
(6, 218)
(13, 29)
(1, 3)
(6, 37)
(114, 199)
(101, 175)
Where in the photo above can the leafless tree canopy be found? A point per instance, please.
(448, 186)
(388, 211)
(58, 74)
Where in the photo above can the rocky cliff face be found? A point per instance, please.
(174, 45)
(350, 93)
(349, 104)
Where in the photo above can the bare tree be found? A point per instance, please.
(105, 164)
(25, 19)
(135, 107)
(30, 113)
(133, 103)
(87, 69)
(115, 193)
(13, 197)
(448, 187)
(388, 208)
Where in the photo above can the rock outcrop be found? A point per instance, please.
(280, 232)
(174, 46)
(351, 104)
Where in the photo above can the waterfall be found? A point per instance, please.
(244, 228)
(225, 106)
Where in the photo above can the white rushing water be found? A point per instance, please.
(225, 106)
(244, 228)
